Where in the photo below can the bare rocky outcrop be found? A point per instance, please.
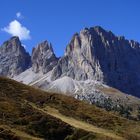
(43, 58)
(99, 55)
(13, 58)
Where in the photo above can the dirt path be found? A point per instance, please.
(76, 123)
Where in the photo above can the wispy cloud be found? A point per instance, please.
(15, 28)
(19, 15)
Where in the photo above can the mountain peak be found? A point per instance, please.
(98, 54)
(13, 58)
(12, 44)
(98, 28)
(15, 41)
(43, 57)
(14, 38)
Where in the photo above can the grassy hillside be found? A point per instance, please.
(24, 114)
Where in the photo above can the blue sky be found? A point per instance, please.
(57, 20)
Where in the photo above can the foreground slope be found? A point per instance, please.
(41, 115)
(95, 93)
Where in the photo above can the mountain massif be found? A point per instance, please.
(97, 66)
(96, 54)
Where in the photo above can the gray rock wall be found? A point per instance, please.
(43, 58)
(99, 55)
(13, 58)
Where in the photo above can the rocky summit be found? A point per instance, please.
(13, 58)
(43, 58)
(97, 54)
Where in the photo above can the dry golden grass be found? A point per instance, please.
(16, 111)
(17, 134)
(76, 123)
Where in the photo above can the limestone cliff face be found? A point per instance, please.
(43, 58)
(13, 58)
(99, 55)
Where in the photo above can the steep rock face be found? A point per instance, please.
(13, 58)
(43, 58)
(99, 55)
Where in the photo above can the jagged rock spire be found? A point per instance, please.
(43, 58)
(13, 58)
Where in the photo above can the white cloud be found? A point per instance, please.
(19, 15)
(24, 46)
(15, 28)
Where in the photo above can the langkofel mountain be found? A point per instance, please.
(99, 55)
